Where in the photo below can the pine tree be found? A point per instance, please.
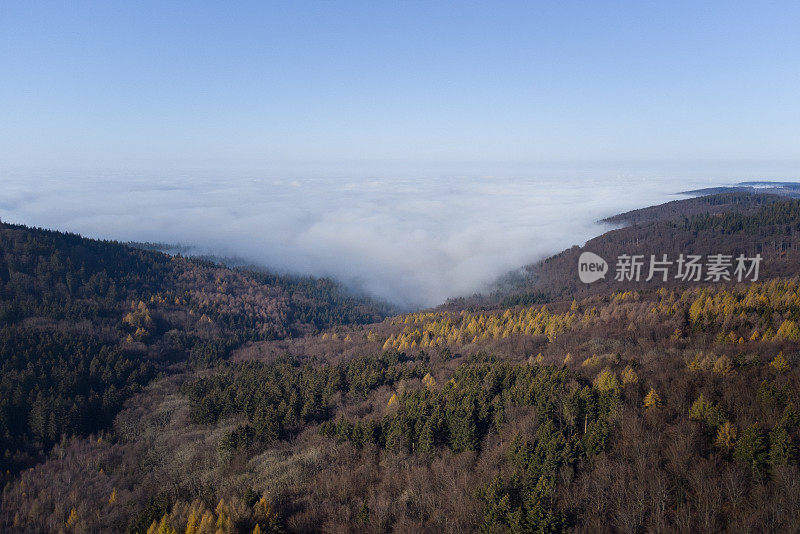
(428, 381)
(723, 366)
(781, 449)
(362, 517)
(606, 380)
(463, 428)
(652, 399)
(192, 524)
(726, 436)
(788, 331)
(426, 442)
(751, 449)
(629, 376)
(704, 410)
(72, 520)
(779, 363)
(498, 505)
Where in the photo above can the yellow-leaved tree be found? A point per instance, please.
(726, 436)
(652, 399)
(162, 527)
(629, 376)
(788, 331)
(193, 523)
(72, 520)
(606, 380)
(723, 365)
(429, 381)
(779, 363)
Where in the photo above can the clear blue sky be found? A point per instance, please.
(128, 84)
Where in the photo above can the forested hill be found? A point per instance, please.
(653, 408)
(653, 411)
(85, 323)
(689, 207)
(728, 224)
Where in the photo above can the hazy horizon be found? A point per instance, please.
(416, 150)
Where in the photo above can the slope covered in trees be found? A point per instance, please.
(702, 205)
(727, 224)
(670, 409)
(84, 324)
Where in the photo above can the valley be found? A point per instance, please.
(143, 392)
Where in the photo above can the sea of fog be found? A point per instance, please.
(414, 240)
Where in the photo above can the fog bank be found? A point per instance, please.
(412, 240)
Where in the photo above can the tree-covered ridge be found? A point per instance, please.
(64, 276)
(728, 224)
(84, 324)
(784, 214)
(763, 311)
(729, 202)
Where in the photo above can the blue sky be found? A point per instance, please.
(147, 85)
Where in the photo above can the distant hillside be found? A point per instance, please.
(785, 189)
(703, 205)
(728, 223)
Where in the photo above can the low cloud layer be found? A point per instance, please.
(413, 241)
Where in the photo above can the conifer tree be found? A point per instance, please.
(781, 449)
(779, 363)
(652, 399)
(726, 436)
(629, 376)
(751, 449)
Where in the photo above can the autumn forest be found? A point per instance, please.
(143, 392)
